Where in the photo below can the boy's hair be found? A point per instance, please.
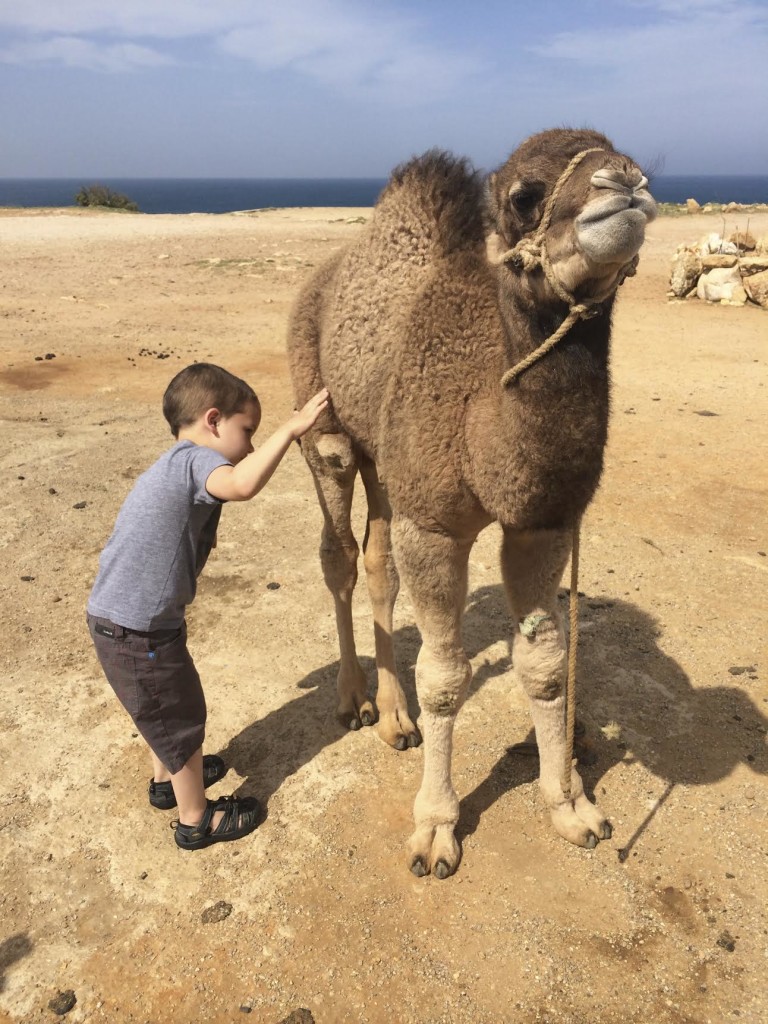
(203, 386)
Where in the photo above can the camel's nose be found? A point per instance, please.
(630, 183)
(620, 180)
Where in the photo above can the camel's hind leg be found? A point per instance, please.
(334, 465)
(434, 568)
(395, 725)
(533, 565)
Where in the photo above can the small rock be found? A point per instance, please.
(143, 875)
(273, 586)
(50, 355)
(218, 912)
(27, 579)
(300, 1016)
(704, 412)
(727, 942)
(246, 1009)
(80, 504)
(739, 670)
(62, 1002)
(52, 490)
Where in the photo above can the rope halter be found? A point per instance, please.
(531, 253)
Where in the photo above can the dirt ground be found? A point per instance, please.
(664, 924)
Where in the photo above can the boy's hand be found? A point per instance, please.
(306, 417)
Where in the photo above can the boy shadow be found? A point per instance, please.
(627, 686)
(12, 949)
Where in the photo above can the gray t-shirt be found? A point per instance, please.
(162, 538)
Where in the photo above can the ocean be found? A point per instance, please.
(222, 195)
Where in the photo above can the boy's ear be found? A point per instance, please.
(211, 420)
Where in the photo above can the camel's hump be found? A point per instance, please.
(442, 189)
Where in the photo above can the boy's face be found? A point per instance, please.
(236, 433)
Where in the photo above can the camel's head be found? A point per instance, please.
(594, 227)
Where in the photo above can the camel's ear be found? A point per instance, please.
(498, 209)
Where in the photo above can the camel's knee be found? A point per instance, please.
(339, 562)
(380, 570)
(442, 681)
(336, 455)
(539, 657)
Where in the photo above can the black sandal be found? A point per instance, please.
(161, 794)
(242, 815)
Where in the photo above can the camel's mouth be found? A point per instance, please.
(611, 228)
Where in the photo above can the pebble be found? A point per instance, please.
(62, 1002)
(727, 942)
(80, 504)
(218, 912)
(300, 1016)
(273, 586)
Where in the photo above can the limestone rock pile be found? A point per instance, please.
(731, 271)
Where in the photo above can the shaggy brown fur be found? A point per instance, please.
(411, 329)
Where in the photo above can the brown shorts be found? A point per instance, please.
(157, 683)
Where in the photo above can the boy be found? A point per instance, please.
(147, 575)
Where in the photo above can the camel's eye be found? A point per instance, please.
(524, 196)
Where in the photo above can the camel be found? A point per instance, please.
(464, 339)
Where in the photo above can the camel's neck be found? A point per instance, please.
(531, 314)
(540, 457)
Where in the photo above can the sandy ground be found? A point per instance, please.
(98, 311)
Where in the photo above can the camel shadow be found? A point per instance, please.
(12, 949)
(635, 703)
(271, 749)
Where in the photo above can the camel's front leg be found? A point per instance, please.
(434, 568)
(533, 565)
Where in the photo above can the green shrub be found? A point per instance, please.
(100, 195)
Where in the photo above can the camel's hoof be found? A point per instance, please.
(401, 743)
(442, 870)
(418, 867)
(367, 718)
(591, 841)
(414, 739)
(354, 724)
(606, 831)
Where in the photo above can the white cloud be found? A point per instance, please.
(330, 44)
(337, 43)
(699, 37)
(158, 19)
(73, 52)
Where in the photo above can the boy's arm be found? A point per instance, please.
(246, 479)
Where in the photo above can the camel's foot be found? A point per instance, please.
(355, 709)
(581, 822)
(358, 715)
(433, 848)
(397, 729)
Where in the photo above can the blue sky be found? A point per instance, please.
(337, 88)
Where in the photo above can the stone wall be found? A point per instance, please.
(731, 271)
